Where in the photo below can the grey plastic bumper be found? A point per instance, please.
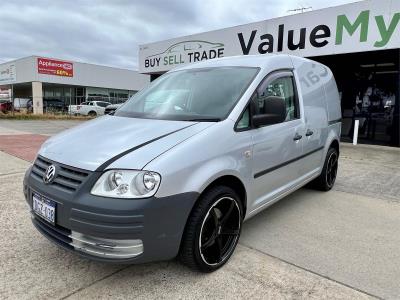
(115, 230)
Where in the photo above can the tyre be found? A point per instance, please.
(92, 114)
(327, 179)
(213, 230)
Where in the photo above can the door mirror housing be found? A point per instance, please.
(266, 119)
(274, 112)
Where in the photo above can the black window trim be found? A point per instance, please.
(272, 75)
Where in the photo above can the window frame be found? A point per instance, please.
(262, 85)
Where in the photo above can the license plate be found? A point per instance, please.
(44, 208)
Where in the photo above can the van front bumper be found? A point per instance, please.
(112, 230)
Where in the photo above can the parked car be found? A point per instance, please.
(5, 105)
(50, 105)
(110, 109)
(21, 104)
(53, 105)
(89, 108)
(179, 178)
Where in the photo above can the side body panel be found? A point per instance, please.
(311, 78)
(219, 151)
(334, 110)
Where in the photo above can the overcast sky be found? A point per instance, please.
(109, 32)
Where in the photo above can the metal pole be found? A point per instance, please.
(70, 100)
(12, 99)
(355, 135)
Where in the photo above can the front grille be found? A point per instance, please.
(67, 178)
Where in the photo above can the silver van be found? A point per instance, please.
(179, 167)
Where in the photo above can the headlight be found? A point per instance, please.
(127, 184)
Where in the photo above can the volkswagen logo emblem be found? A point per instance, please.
(49, 175)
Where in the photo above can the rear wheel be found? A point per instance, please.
(212, 231)
(92, 114)
(327, 179)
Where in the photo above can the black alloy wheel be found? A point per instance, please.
(326, 180)
(220, 231)
(213, 230)
(331, 169)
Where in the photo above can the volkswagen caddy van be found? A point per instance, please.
(181, 165)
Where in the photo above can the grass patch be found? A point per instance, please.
(25, 116)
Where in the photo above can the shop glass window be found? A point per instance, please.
(48, 93)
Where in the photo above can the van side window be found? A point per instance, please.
(282, 87)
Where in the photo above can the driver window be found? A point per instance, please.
(282, 87)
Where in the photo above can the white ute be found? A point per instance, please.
(90, 108)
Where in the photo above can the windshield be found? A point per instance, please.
(191, 95)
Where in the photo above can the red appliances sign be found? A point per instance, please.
(55, 67)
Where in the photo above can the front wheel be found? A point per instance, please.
(92, 114)
(213, 229)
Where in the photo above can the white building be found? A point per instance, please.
(46, 79)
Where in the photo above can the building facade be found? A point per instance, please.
(46, 80)
(360, 42)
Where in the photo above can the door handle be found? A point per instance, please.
(309, 132)
(297, 137)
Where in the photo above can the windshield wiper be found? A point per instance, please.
(203, 120)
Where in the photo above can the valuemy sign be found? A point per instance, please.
(55, 67)
(358, 27)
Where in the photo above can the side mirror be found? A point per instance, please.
(274, 112)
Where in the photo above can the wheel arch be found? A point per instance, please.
(232, 182)
(332, 139)
(335, 144)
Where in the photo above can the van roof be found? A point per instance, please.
(260, 61)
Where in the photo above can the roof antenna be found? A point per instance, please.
(301, 9)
